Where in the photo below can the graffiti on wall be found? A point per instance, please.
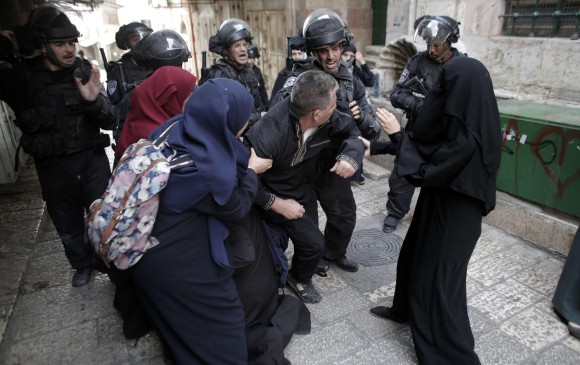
(555, 149)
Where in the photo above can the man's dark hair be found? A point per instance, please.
(312, 90)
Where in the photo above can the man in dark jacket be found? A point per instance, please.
(419, 76)
(60, 112)
(326, 34)
(293, 134)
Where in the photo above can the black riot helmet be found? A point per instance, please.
(129, 34)
(233, 30)
(161, 48)
(50, 23)
(323, 28)
(253, 51)
(436, 29)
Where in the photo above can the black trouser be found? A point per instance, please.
(70, 183)
(307, 239)
(336, 199)
(400, 195)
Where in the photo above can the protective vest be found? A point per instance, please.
(246, 76)
(122, 77)
(53, 122)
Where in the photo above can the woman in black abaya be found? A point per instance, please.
(185, 283)
(452, 153)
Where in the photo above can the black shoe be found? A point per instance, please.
(390, 224)
(82, 277)
(388, 313)
(344, 263)
(305, 291)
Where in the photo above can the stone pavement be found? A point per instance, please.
(44, 320)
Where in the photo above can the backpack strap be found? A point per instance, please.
(175, 161)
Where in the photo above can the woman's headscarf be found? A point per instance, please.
(158, 98)
(213, 115)
(464, 90)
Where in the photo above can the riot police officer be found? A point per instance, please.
(124, 74)
(60, 112)
(418, 77)
(231, 42)
(325, 35)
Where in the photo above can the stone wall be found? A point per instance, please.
(536, 69)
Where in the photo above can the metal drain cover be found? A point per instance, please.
(373, 247)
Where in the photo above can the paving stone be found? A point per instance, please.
(573, 343)
(333, 283)
(18, 205)
(47, 310)
(504, 300)
(337, 305)
(473, 287)
(367, 279)
(109, 328)
(499, 266)
(148, 348)
(558, 354)
(373, 327)
(497, 348)
(381, 294)
(76, 344)
(479, 324)
(534, 329)
(382, 352)
(339, 339)
(45, 271)
(490, 242)
(24, 232)
(542, 276)
(49, 245)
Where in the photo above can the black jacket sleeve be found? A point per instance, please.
(365, 74)
(368, 125)
(402, 96)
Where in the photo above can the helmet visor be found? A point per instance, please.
(432, 32)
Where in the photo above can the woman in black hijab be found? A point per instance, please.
(185, 282)
(453, 154)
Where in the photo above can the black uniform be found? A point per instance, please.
(277, 136)
(122, 77)
(332, 191)
(120, 83)
(262, 87)
(247, 77)
(418, 78)
(62, 132)
(364, 73)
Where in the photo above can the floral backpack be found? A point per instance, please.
(119, 224)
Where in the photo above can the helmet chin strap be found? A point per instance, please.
(54, 60)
